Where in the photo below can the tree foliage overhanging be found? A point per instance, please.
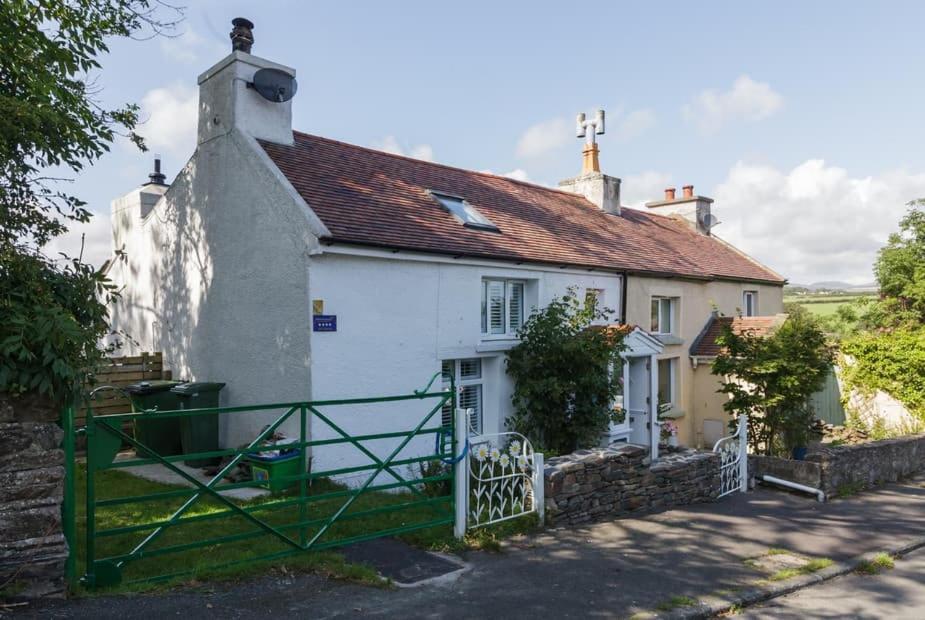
(772, 377)
(886, 340)
(566, 375)
(53, 311)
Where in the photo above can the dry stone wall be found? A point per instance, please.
(32, 546)
(861, 466)
(610, 482)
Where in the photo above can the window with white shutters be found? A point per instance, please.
(468, 376)
(502, 307)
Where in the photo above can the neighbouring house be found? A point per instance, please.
(707, 402)
(296, 267)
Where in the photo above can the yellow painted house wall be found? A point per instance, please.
(696, 389)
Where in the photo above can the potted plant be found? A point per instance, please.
(669, 434)
(797, 432)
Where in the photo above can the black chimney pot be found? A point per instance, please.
(242, 37)
(157, 177)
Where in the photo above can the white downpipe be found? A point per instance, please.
(820, 494)
(461, 471)
(539, 487)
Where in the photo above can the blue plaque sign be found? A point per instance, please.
(324, 323)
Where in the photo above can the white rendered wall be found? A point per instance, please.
(215, 277)
(397, 319)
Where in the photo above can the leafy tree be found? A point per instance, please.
(53, 312)
(900, 272)
(566, 375)
(772, 377)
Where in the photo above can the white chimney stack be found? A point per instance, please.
(226, 100)
(693, 209)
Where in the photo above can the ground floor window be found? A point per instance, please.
(667, 382)
(468, 376)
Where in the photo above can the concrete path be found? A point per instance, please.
(898, 593)
(156, 472)
(611, 569)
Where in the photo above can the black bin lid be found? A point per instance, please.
(197, 387)
(151, 387)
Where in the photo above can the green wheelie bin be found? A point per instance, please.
(199, 433)
(162, 435)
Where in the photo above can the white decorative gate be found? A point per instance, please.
(733, 455)
(500, 477)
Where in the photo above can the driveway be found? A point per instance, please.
(609, 569)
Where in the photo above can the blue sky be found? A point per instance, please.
(803, 120)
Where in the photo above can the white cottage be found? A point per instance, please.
(295, 267)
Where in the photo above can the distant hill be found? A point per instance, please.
(833, 285)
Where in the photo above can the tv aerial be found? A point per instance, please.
(274, 85)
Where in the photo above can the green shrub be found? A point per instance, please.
(566, 375)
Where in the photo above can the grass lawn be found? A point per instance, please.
(822, 305)
(200, 562)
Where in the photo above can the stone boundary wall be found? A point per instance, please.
(611, 482)
(32, 546)
(865, 465)
(848, 468)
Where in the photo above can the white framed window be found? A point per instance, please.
(750, 303)
(502, 308)
(468, 376)
(664, 315)
(667, 382)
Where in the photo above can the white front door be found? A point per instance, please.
(639, 399)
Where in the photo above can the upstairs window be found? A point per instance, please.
(663, 315)
(750, 303)
(502, 307)
(468, 376)
(464, 212)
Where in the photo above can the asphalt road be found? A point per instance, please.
(896, 593)
(611, 569)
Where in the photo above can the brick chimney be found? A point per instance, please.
(227, 102)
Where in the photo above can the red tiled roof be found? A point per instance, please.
(705, 344)
(374, 198)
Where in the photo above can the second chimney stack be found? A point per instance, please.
(688, 191)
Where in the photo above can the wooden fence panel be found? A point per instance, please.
(120, 372)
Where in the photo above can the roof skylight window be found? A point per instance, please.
(464, 212)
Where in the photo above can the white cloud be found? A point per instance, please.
(814, 222)
(544, 137)
(390, 144)
(635, 124)
(97, 241)
(190, 47)
(518, 174)
(169, 116)
(747, 100)
(638, 189)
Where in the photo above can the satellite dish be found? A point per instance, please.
(708, 221)
(274, 85)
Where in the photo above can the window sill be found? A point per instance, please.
(669, 339)
(496, 345)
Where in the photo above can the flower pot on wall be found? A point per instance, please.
(673, 441)
(799, 453)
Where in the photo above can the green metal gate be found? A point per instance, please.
(148, 535)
